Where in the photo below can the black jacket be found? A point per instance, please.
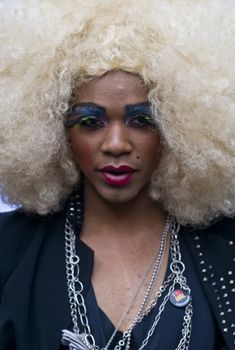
(32, 268)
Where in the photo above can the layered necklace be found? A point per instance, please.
(174, 289)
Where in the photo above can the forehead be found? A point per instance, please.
(115, 87)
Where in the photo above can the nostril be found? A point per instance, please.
(116, 145)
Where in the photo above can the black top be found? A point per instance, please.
(34, 300)
(205, 332)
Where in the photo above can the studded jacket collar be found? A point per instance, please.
(213, 251)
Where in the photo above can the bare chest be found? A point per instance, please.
(123, 286)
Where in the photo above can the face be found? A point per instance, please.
(113, 139)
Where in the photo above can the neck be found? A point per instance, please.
(139, 216)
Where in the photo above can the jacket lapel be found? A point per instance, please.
(50, 307)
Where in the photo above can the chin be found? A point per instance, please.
(120, 195)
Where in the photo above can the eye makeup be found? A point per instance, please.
(139, 115)
(85, 114)
(94, 116)
(139, 108)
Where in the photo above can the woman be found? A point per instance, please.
(117, 140)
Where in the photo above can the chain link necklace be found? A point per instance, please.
(156, 264)
(176, 282)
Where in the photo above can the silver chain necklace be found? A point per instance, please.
(78, 340)
(156, 264)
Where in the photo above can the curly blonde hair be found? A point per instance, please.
(184, 52)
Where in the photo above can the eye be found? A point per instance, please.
(91, 122)
(86, 116)
(142, 121)
(86, 121)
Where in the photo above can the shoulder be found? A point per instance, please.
(213, 247)
(18, 226)
(221, 230)
(18, 232)
(17, 229)
(215, 243)
(224, 228)
(213, 251)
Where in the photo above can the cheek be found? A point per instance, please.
(150, 148)
(82, 152)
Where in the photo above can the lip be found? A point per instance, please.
(118, 169)
(117, 176)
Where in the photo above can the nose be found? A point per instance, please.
(116, 140)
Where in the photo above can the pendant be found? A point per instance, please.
(74, 341)
(180, 298)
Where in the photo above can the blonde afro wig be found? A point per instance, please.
(184, 51)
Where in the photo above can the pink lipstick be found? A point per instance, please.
(117, 176)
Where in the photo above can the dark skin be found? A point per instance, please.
(122, 224)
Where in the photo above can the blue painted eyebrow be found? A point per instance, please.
(143, 107)
(84, 108)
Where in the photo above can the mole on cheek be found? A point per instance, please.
(138, 157)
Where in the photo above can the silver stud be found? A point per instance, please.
(229, 310)
(196, 238)
(223, 287)
(200, 254)
(205, 279)
(232, 325)
(221, 279)
(230, 273)
(218, 298)
(220, 306)
(216, 290)
(223, 321)
(230, 242)
(222, 313)
(214, 284)
(210, 267)
(204, 271)
(225, 329)
(233, 290)
(225, 295)
(212, 275)
(202, 262)
(227, 303)
(231, 282)
(198, 246)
